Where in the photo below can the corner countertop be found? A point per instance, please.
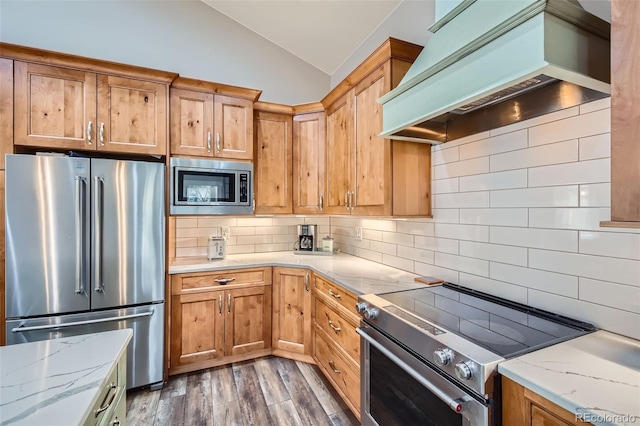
(57, 381)
(358, 275)
(596, 376)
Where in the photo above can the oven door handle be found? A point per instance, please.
(454, 404)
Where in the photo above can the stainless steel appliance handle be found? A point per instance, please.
(321, 201)
(89, 132)
(102, 134)
(80, 237)
(208, 141)
(306, 281)
(454, 404)
(23, 329)
(218, 143)
(223, 281)
(97, 215)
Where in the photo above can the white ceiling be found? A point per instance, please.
(325, 33)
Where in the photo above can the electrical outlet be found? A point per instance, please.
(226, 231)
(358, 234)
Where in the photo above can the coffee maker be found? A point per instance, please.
(307, 237)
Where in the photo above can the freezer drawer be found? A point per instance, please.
(144, 353)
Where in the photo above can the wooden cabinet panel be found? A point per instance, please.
(207, 281)
(248, 322)
(54, 107)
(233, 127)
(308, 163)
(291, 310)
(191, 122)
(132, 115)
(273, 162)
(338, 155)
(411, 179)
(197, 327)
(336, 294)
(6, 111)
(540, 417)
(341, 329)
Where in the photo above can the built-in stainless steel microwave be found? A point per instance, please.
(211, 187)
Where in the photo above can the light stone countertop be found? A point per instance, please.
(57, 382)
(596, 376)
(358, 275)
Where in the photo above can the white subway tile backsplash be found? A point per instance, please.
(186, 222)
(593, 147)
(622, 271)
(620, 321)
(562, 152)
(370, 234)
(397, 262)
(463, 264)
(254, 239)
(416, 228)
(425, 269)
(186, 242)
(462, 232)
(551, 282)
(384, 248)
(497, 288)
(378, 224)
(553, 196)
(592, 171)
(289, 221)
(474, 166)
(243, 230)
(368, 254)
(317, 220)
(568, 218)
(461, 141)
(550, 239)
(191, 251)
(548, 118)
(254, 221)
(241, 249)
(595, 195)
(461, 200)
(626, 246)
(494, 145)
(213, 221)
(285, 239)
(424, 256)
(580, 126)
(271, 230)
(595, 105)
(443, 156)
(396, 238)
(505, 217)
(262, 248)
(610, 294)
(499, 180)
(494, 252)
(443, 245)
(445, 186)
(446, 215)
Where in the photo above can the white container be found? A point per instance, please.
(327, 244)
(217, 248)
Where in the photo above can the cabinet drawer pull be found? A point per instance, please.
(306, 281)
(321, 201)
(89, 132)
(220, 304)
(218, 143)
(336, 295)
(229, 303)
(115, 422)
(208, 141)
(102, 134)
(336, 329)
(333, 367)
(346, 203)
(113, 396)
(223, 281)
(351, 200)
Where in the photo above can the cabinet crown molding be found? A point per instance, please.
(217, 88)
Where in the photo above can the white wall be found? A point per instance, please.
(516, 214)
(187, 37)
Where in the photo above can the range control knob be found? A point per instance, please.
(464, 370)
(371, 313)
(361, 307)
(443, 356)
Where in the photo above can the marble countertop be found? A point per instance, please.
(57, 381)
(358, 275)
(596, 376)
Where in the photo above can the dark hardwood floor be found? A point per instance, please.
(266, 391)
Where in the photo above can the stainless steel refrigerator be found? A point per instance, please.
(85, 253)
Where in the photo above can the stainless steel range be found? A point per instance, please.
(430, 356)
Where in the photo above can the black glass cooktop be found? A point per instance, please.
(501, 326)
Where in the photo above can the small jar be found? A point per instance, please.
(327, 244)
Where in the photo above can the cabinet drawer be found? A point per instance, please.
(342, 376)
(337, 294)
(112, 389)
(118, 416)
(204, 281)
(339, 328)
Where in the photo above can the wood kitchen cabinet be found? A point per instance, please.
(523, 407)
(63, 108)
(6, 147)
(309, 125)
(292, 313)
(273, 158)
(219, 317)
(361, 174)
(211, 119)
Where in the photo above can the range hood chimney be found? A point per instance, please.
(491, 63)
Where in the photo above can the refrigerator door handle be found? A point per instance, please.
(98, 238)
(23, 329)
(80, 237)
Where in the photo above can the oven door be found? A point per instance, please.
(400, 389)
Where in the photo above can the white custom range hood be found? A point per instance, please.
(495, 62)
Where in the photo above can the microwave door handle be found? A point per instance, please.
(454, 404)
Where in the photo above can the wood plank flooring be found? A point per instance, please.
(265, 391)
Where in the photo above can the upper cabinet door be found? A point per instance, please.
(132, 115)
(372, 180)
(338, 155)
(233, 127)
(191, 123)
(308, 163)
(54, 107)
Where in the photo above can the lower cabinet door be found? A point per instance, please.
(248, 320)
(292, 310)
(197, 327)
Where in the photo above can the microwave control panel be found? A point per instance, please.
(244, 187)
